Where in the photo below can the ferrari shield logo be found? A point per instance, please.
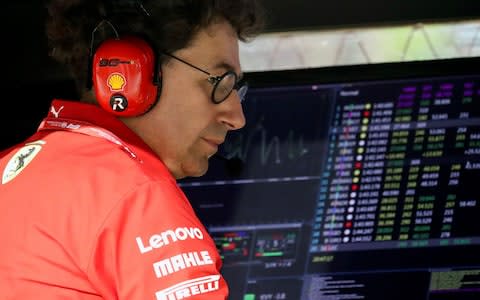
(20, 160)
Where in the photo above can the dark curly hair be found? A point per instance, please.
(168, 24)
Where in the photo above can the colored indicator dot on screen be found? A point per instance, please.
(368, 106)
(346, 239)
(358, 165)
(249, 297)
(355, 180)
(360, 150)
(366, 114)
(351, 202)
(363, 135)
(356, 172)
(364, 128)
(349, 217)
(347, 231)
(353, 195)
(365, 121)
(361, 143)
(354, 187)
(359, 158)
(351, 209)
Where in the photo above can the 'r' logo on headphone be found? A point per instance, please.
(118, 102)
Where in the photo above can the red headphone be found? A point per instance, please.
(125, 76)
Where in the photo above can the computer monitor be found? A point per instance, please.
(351, 182)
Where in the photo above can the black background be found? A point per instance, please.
(33, 79)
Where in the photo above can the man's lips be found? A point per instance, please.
(214, 143)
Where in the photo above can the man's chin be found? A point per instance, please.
(196, 170)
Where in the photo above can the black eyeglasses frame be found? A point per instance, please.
(239, 86)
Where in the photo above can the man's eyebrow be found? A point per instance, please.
(228, 67)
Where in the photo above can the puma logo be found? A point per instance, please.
(54, 112)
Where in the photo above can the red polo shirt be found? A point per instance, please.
(88, 211)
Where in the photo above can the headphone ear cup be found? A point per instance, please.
(152, 56)
(123, 76)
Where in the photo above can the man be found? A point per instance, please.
(89, 206)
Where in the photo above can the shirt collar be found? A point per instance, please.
(96, 116)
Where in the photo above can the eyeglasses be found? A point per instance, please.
(223, 85)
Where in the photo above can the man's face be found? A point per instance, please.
(185, 127)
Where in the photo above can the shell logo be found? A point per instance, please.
(116, 82)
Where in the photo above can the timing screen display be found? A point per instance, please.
(350, 191)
